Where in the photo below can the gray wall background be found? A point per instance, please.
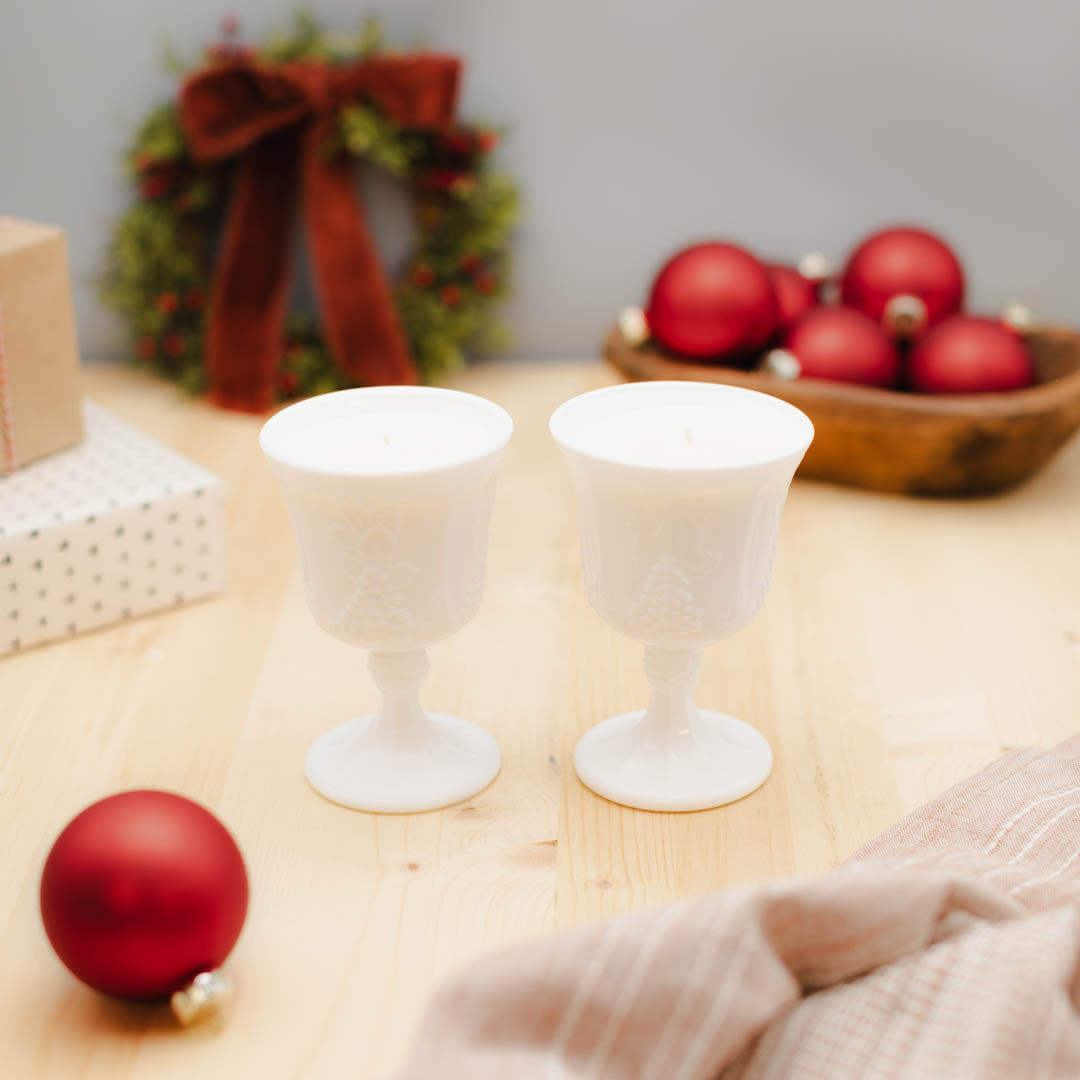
(637, 127)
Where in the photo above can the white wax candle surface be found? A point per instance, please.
(685, 435)
(385, 442)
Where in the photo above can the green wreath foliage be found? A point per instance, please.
(159, 261)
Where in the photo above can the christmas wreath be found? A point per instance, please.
(199, 265)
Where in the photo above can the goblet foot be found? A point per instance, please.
(718, 760)
(361, 765)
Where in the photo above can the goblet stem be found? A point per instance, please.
(400, 722)
(672, 756)
(402, 759)
(669, 721)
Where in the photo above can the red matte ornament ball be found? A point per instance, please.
(843, 344)
(795, 295)
(142, 892)
(903, 262)
(712, 302)
(969, 355)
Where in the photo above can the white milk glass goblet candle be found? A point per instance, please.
(390, 490)
(680, 487)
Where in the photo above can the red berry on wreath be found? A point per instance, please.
(154, 186)
(795, 295)
(459, 142)
(469, 261)
(487, 141)
(167, 302)
(193, 298)
(450, 295)
(287, 382)
(174, 345)
(143, 892)
(712, 301)
(969, 355)
(904, 262)
(146, 348)
(143, 161)
(422, 275)
(463, 185)
(844, 344)
(229, 25)
(484, 282)
(441, 178)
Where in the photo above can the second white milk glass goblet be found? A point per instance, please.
(390, 491)
(680, 487)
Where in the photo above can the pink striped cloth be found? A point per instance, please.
(948, 947)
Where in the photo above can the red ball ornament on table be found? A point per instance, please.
(795, 295)
(843, 344)
(712, 302)
(969, 355)
(142, 892)
(893, 265)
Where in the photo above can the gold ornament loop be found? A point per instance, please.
(203, 997)
(815, 266)
(782, 363)
(905, 315)
(633, 325)
(1019, 318)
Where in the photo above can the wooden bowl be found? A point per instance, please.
(912, 443)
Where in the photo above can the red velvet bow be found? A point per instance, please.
(279, 119)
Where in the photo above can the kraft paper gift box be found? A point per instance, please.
(40, 394)
(117, 527)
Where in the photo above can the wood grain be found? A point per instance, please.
(925, 444)
(904, 644)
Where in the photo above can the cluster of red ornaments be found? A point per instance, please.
(899, 321)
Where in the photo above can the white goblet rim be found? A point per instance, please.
(571, 419)
(492, 419)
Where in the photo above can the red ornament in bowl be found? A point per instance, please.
(712, 302)
(843, 344)
(970, 355)
(142, 892)
(892, 272)
(795, 295)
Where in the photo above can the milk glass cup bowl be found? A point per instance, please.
(679, 487)
(390, 491)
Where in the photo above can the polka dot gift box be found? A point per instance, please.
(114, 528)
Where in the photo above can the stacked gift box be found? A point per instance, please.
(98, 522)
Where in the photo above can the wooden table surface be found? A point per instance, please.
(904, 644)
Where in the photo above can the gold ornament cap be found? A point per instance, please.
(203, 997)
(815, 266)
(782, 364)
(905, 315)
(1019, 318)
(633, 325)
